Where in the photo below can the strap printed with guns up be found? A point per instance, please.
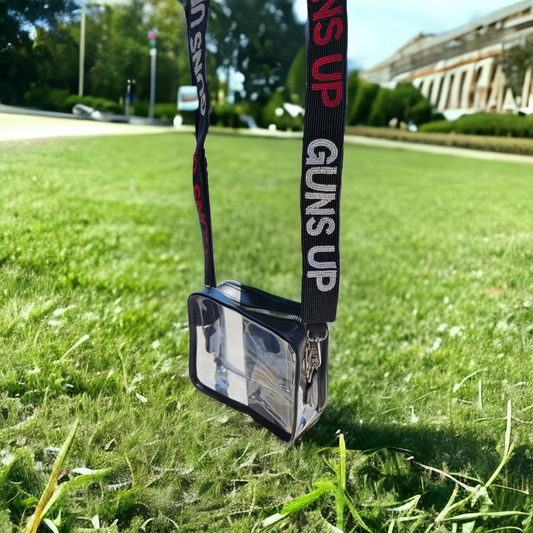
(322, 158)
(323, 150)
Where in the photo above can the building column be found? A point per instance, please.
(418, 82)
(526, 89)
(428, 81)
(454, 100)
(494, 89)
(445, 89)
(483, 85)
(436, 86)
(469, 80)
(501, 89)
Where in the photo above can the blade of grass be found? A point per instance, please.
(468, 527)
(35, 519)
(507, 448)
(505, 529)
(355, 514)
(341, 483)
(407, 505)
(445, 474)
(78, 482)
(494, 514)
(295, 505)
(449, 505)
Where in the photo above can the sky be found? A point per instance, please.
(377, 28)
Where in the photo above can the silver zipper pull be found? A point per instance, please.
(313, 356)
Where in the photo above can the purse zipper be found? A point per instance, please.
(275, 314)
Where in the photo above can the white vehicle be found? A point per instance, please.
(187, 98)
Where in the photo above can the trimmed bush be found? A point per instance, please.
(296, 79)
(99, 104)
(354, 83)
(225, 115)
(510, 145)
(485, 124)
(162, 111)
(405, 103)
(283, 121)
(366, 93)
(46, 98)
(166, 111)
(59, 100)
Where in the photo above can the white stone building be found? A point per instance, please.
(460, 71)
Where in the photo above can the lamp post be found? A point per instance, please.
(152, 35)
(82, 50)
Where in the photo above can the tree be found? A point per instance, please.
(354, 84)
(296, 78)
(120, 49)
(18, 61)
(365, 95)
(515, 62)
(405, 103)
(260, 39)
(17, 15)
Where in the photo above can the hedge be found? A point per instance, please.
(51, 99)
(46, 98)
(99, 104)
(485, 124)
(509, 145)
(163, 111)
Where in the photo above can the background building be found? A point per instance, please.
(461, 71)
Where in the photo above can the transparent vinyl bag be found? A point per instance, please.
(250, 350)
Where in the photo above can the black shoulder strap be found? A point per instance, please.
(323, 149)
(197, 15)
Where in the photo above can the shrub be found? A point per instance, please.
(365, 96)
(165, 111)
(511, 145)
(99, 104)
(423, 112)
(226, 115)
(254, 110)
(284, 121)
(296, 79)
(354, 83)
(46, 98)
(405, 102)
(485, 124)
(162, 111)
(50, 99)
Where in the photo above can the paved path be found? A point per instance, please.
(19, 127)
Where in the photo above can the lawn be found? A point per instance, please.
(99, 250)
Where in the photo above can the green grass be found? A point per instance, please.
(99, 241)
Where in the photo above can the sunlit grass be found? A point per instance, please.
(99, 249)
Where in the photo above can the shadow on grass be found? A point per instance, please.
(397, 471)
(468, 450)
